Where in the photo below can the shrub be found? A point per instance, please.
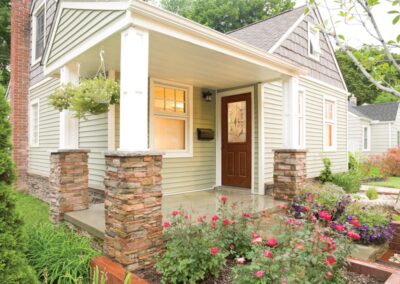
(349, 181)
(59, 255)
(326, 173)
(304, 252)
(354, 162)
(391, 162)
(372, 193)
(14, 267)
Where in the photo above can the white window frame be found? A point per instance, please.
(368, 138)
(333, 100)
(310, 29)
(301, 117)
(188, 152)
(33, 143)
(39, 9)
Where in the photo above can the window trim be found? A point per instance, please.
(302, 144)
(188, 152)
(368, 127)
(39, 9)
(334, 124)
(31, 104)
(316, 57)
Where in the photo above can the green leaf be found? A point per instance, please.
(396, 19)
(398, 38)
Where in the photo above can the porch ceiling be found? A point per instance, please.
(182, 61)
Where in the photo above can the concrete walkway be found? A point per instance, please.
(195, 203)
(381, 189)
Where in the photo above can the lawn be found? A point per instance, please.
(32, 210)
(390, 182)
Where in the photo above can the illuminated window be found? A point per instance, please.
(171, 119)
(329, 125)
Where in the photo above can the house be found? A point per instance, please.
(373, 128)
(271, 85)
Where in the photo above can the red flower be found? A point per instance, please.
(339, 227)
(353, 235)
(225, 222)
(224, 199)
(166, 225)
(232, 246)
(310, 198)
(186, 216)
(330, 260)
(233, 222)
(246, 215)
(260, 273)
(255, 235)
(355, 223)
(200, 219)
(272, 242)
(268, 254)
(214, 250)
(329, 247)
(215, 218)
(325, 215)
(313, 218)
(175, 213)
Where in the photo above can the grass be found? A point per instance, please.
(32, 210)
(393, 182)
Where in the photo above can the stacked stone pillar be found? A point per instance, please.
(290, 173)
(133, 216)
(68, 182)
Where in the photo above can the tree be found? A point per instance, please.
(4, 42)
(227, 15)
(374, 61)
(14, 268)
(360, 12)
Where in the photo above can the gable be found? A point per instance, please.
(74, 26)
(295, 49)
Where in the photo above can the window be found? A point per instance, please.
(366, 138)
(171, 123)
(314, 49)
(300, 139)
(34, 123)
(38, 37)
(329, 124)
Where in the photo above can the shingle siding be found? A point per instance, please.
(295, 49)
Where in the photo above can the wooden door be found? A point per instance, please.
(236, 140)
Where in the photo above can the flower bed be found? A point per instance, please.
(291, 250)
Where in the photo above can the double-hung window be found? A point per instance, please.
(329, 124)
(171, 118)
(34, 124)
(314, 49)
(366, 138)
(38, 36)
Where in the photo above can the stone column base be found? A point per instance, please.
(133, 235)
(68, 182)
(290, 173)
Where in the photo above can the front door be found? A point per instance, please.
(236, 140)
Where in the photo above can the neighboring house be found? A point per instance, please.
(278, 78)
(372, 129)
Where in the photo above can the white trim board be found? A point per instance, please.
(218, 136)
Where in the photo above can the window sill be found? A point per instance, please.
(35, 61)
(330, 149)
(178, 155)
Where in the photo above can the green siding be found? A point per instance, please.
(39, 157)
(93, 135)
(197, 172)
(76, 26)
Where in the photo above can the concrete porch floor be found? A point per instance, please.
(195, 203)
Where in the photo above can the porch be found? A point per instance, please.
(195, 204)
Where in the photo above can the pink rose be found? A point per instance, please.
(241, 260)
(339, 227)
(224, 199)
(260, 273)
(246, 215)
(225, 222)
(268, 254)
(214, 250)
(313, 218)
(175, 213)
(272, 242)
(257, 241)
(215, 218)
(355, 223)
(166, 225)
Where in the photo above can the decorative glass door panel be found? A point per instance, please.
(237, 122)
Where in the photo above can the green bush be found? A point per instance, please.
(59, 255)
(372, 193)
(371, 216)
(349, 181)
(326, 173)
(326, 196)
(14, 267)
(354, 162)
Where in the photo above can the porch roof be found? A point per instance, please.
(179, 48)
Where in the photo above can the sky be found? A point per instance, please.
(355, 33)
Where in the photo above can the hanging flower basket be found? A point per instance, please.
(93, 96)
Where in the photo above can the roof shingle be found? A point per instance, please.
(381, 112)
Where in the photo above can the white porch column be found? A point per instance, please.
(69, 125)
(134, 90)
(111, 118)
(290, 105)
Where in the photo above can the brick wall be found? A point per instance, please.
(19, 85)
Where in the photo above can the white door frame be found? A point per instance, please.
(218, 135)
